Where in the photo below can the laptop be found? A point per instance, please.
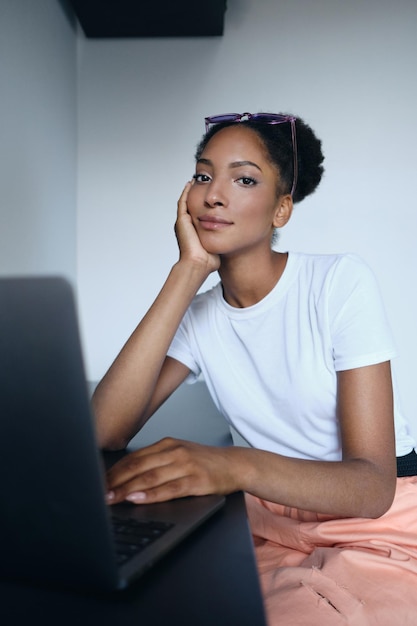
(55, 527)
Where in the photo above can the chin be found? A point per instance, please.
(211, 244)
(213, 247)
(215, 250)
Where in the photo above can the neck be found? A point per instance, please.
(246, 281)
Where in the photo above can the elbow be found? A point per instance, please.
(111, 444)
(373, 487)
(377, 501)
(382, 505)
(107, 432)
(107, 440)
(375, 511)
(115, 423)
(111, 432)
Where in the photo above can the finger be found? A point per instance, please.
(157, 485)
(168, 461)
(134, 467)
(170, 490)
(141, 461)
(182, 202)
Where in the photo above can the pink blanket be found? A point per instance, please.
(316, 570)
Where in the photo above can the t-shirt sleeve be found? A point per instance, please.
(360, 330)
(181, 350)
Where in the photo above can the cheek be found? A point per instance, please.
(258, 206)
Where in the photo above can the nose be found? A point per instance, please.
(215, 195)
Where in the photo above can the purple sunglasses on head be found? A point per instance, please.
(264, 118)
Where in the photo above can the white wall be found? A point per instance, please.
(347, 68)
(38, 131)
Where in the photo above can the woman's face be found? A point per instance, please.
(233, 201)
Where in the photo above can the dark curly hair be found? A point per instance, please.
(277, 141)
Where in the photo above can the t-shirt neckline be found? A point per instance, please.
(276, 293)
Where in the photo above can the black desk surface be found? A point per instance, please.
(211, 579)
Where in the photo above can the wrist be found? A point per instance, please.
(196, 270)
(241, 470)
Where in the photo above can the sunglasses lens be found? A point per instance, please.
(218, 119)
(269, 118)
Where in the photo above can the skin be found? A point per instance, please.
(225, 220)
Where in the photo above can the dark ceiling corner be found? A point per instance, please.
(150, 18)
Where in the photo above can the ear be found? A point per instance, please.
(283, 211)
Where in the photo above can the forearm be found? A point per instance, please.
(121, 399)
(351, 488)
(173, 468)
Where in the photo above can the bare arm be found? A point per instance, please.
(361, 484)
(142, 377)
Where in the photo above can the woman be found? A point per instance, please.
(295, 350)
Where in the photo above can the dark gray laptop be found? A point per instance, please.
(55, 527)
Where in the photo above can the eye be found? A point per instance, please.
(201, 178)
(247, 181)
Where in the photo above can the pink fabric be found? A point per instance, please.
(316, 570)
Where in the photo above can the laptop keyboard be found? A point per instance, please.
(132, 536)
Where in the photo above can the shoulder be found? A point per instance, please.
(334, 277)
(327, 261)
(328, 267)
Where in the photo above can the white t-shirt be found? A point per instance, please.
(271, 367)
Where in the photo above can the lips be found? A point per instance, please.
(213, 222)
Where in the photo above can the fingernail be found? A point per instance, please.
(136, 496)
(109, 496)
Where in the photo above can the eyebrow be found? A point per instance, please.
(232, 165)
